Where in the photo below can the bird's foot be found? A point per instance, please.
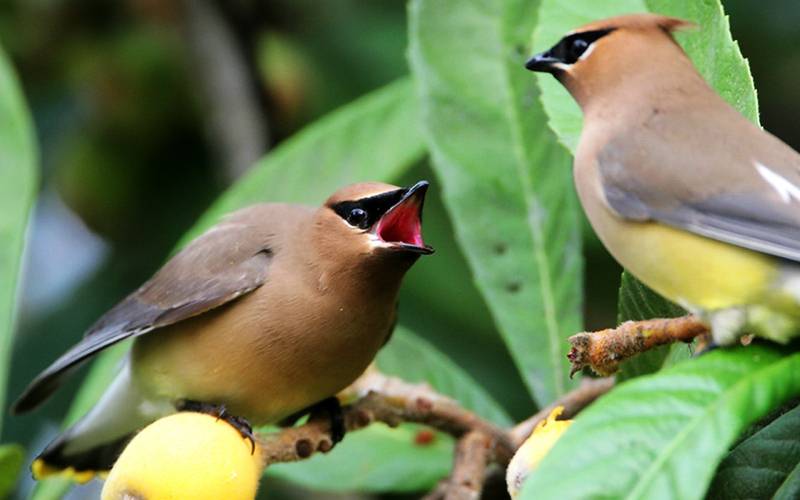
(332, 409)
(239, 423)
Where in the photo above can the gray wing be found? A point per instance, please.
(228, 261)
(733, 183)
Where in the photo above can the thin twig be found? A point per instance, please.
(604, 350)
(469, 466)
(573, 402)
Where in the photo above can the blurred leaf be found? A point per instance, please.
(765, 465)
(11, 458)
(374, 137)
(375, 459)
(18, 180)
(415, 360)
(506, 183)
(662, 435)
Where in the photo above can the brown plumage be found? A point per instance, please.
(687, 194)
(274, 309)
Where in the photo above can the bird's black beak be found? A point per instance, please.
(543, 62)
(401, 225)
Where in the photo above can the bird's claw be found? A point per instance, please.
(220, 411)
(333, 410)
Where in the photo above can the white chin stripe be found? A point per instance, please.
(587, 52)
(562, 66)
(785, 188)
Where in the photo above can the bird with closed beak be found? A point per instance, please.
(265, 316)
(689, 196)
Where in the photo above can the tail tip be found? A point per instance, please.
(42, 470)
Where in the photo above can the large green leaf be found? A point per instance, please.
(662, 435)
(18, 178)
(765, 465)
(506, 182)
(379, 459)
(375, 137)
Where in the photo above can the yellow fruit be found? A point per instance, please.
(186, 455)
(534, 449)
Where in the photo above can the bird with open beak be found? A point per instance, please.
(688, 195)
(265, 316)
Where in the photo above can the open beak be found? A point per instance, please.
(401, 225)
(543, 62)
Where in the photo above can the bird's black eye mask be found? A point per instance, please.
(567, 51)
(365, 212)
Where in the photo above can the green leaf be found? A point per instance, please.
(374, 137)
(18, 181)
(507, 184)
(765, 465)
(413, 359)
(11, 458)
(662, 435)
(375, 459)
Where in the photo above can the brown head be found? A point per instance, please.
(372, 227)
(616, 56)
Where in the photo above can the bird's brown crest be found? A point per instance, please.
(639, 22)
(358, 191)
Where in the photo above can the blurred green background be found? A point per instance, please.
(146, 110)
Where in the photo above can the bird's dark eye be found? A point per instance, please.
(577, 48)
(358, 217)
(572, 47)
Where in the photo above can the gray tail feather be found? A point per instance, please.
(98, 458)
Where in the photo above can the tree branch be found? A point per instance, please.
(236, 127)
(380, 398)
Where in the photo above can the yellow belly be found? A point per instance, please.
(690, 269)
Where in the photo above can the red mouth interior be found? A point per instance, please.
(402, 225)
